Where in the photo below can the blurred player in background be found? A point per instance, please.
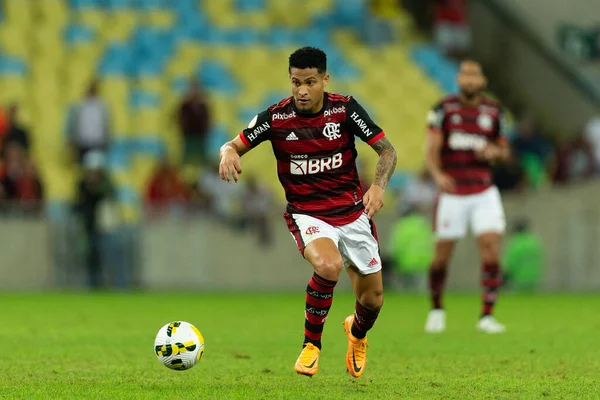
(312, 134)
(466, 134)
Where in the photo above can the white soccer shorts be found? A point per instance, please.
(356, 241)
(482, 211)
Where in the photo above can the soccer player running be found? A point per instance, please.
(312, 134)
(466, 134)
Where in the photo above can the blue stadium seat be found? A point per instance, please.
(150, 146)
(350, 13)
(118, 155)
(117, 4)
(12, 66)
(180, 85)
(280, 36)
(116, 60)
(144, 99)
(78, 4)
(75, 33)
(149, 4)
(127, 195)
(219, 135)
(215, 76)
(243, 36)
(249, 5)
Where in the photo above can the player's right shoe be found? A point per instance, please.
(436, 321)
(488, 324)
(308, 361)
(356, 356)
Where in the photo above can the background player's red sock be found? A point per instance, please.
(491, 282)
(319, 296)
(364, 319)
(437, 280)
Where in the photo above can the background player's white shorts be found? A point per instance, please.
(482, 211)
(356, 241)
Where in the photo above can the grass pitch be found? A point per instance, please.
(101, 346)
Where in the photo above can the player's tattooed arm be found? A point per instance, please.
(387, 162)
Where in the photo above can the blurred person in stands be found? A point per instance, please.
(194, 124)
(90, 124)
(15, 132)
(592, 135)
(225, 199)
(166, 190)
(21, 186)
(523, 258)
(533, 150)
(256, 203)
(509, 176)
(451, 27)
(420, 193)
(575, 160)
(94, 191)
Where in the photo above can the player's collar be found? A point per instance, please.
(311, 115)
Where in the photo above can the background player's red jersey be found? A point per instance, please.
(466, 130)
(316, 156)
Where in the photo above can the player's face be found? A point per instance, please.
(471, 79)
(308, 87)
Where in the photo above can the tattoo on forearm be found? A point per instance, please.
(386, 164)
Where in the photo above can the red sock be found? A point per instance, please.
(319, 296)
(490, 281)
(437, 280)
(364, 319)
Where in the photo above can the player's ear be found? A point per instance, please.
(485, 82)
(325, 79)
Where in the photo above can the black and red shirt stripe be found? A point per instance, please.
(316, 155)
(465, 130)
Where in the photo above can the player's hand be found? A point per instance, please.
(445, 183)
(373, 200)
(230, 166)
(490, 152)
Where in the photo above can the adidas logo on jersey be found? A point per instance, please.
(292, 136)
(373, 262)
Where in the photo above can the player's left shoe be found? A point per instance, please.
(308, 361)
(488, 324)
(356, 356)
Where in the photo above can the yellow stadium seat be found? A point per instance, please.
(20, 11)
(94, 18)
(119, 25)
(152, 84)
(13, 41)
(13, 89)
(158, 18)
(146, 121)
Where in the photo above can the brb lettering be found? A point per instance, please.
(315, 165)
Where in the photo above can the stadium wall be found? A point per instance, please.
(529, 72)
(204, 255)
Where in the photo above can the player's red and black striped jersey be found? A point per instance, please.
(465, 130)
(316, 155)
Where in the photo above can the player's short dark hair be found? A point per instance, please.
(308, 57)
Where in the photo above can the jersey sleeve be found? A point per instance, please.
(258, 130)
(360, 124)
(435, 118)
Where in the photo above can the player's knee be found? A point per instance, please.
(373, 299)
(329, 267)
(490, 250)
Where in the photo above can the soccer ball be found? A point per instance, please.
(179, 345)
